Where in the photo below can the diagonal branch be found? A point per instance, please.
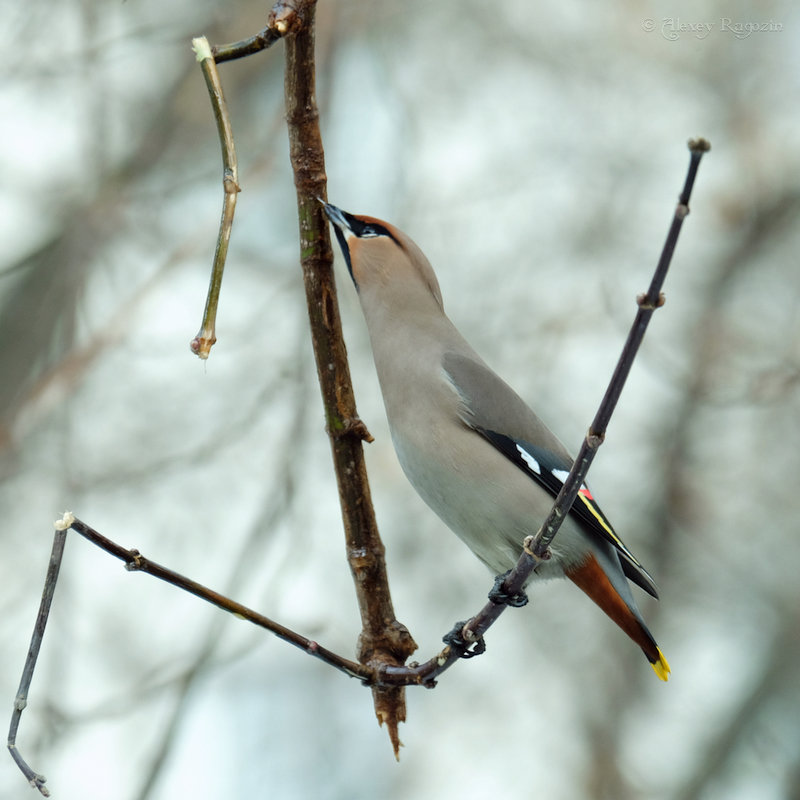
(535, 547)
(647, 303)
(136, 562)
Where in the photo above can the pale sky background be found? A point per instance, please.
(535, 152)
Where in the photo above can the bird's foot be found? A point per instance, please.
(500, 597)
(456, 639)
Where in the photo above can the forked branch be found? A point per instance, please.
(385, 644)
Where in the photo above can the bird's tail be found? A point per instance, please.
(592, 579)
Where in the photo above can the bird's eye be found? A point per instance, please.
(368, 230)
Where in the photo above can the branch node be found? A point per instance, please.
(594, 439)
(351, 426)
(229, 183)
(645, 302)
(528, 548)
(136, 561)
(287, 16)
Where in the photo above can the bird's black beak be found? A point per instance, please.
(336, 216)
(342, 227)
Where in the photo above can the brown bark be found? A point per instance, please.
(383, 640)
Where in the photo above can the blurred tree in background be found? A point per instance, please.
(535, 154)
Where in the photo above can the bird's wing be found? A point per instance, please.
(494, 410)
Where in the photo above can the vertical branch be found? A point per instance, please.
(36, 780)
(206, 336)
(383, 640)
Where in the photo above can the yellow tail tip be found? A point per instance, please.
(661, 667)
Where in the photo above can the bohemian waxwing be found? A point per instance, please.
(469, 445)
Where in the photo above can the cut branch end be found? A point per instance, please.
(65, 522)
(202, 49)
(699, 145)
(202, 343)
(390, 709)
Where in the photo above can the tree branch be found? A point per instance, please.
(21, 700)
(536, 547)
(253, 44)
(383, 640)
(647, 303)
(384, 644)
(136, 562)
(202, 343)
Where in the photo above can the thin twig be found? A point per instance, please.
(246, 47)
(287, 17)
(647, 303)
(535, 547)
(21, 700)
(202, 343)
(136, 562)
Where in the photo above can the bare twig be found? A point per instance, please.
(535, 547)
(202, 343)
(380, 672)
(253, 44)
(21, 700)
(287, 17)
(647, 303)
(136, 562)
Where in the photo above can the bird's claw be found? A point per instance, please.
(456, 640)
(500, 597)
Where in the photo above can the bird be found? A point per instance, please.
(469, 445)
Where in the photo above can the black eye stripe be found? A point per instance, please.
(372, 230)
(366, 230)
